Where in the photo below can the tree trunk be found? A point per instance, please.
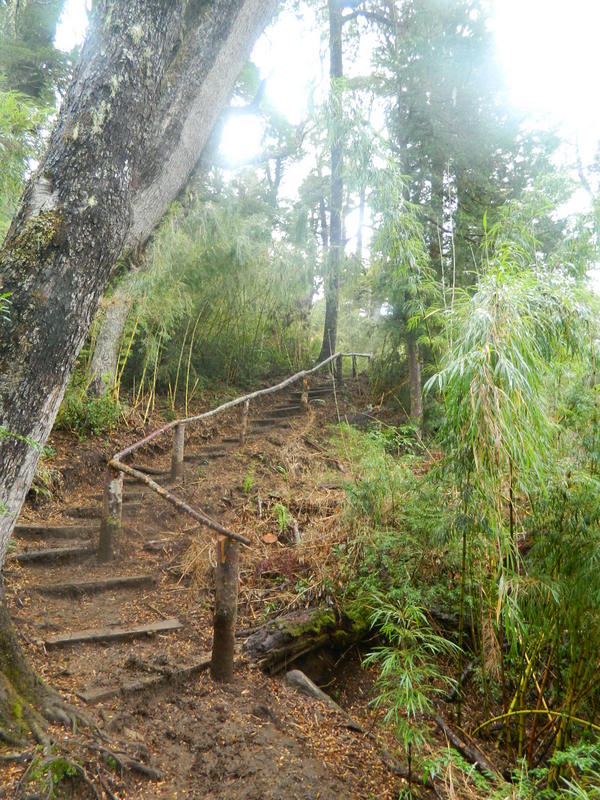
(414, 375)
(103, 365)
(143, 101)
(335, 251)
(226, 601)
(20, 689)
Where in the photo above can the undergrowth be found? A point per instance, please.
(86, 415)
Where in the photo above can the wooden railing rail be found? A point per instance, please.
(227, 555)
(236, 402)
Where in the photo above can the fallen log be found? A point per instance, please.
(470, 751)
(281, 641)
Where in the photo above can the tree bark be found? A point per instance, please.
(414, 376)
(335, 251)
(103, 365)
(143, 101)
(225, 617)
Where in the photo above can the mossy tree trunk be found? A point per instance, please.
(336, 246)
(146, 92)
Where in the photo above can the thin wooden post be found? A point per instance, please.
(338, 369)
(354, 366)
(226, 599)
(244, 426)
(110, 527)
(177, 465)
(304, 393)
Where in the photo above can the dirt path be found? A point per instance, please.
(256, 738)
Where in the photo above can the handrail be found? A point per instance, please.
(238, 401)
(111, 520)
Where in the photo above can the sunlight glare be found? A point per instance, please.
(242, 138)
(549, 53)
(72, 25)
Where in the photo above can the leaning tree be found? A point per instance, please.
(152, 77)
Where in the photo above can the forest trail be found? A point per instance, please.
(128, 642)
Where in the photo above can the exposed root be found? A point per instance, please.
(44, 775)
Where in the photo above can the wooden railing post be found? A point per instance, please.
(110, 527)
(177, 465)
(354, 366)
(226, 599)
(338, 369)
(304, 394)
(244, 425)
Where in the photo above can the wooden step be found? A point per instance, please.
(97, 585)
(53, 554)
(148, 469)
(157, 477)
(203, 456)
(95, 512)
(129, 497)
(286, 411)
(113, 634)
(44, 530)
(314, 394)
(267, 422)
(97, 695)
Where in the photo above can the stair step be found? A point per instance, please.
(314, 393)
(95, 512)
(206, 456)
(96, 695)
(53, 553)
(129, 481)
(130, 497)
(148, 469)
(48, 531)
(113, 634)
(270, 422)
(98, 585)
(286, 411)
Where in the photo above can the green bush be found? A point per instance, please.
(84, 415)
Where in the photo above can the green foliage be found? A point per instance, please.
(49, 774)
(221, 297)
(378, 478)
(248, 482)
(283, 515)
(20, 124)
(410, 675)
(84, 415)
